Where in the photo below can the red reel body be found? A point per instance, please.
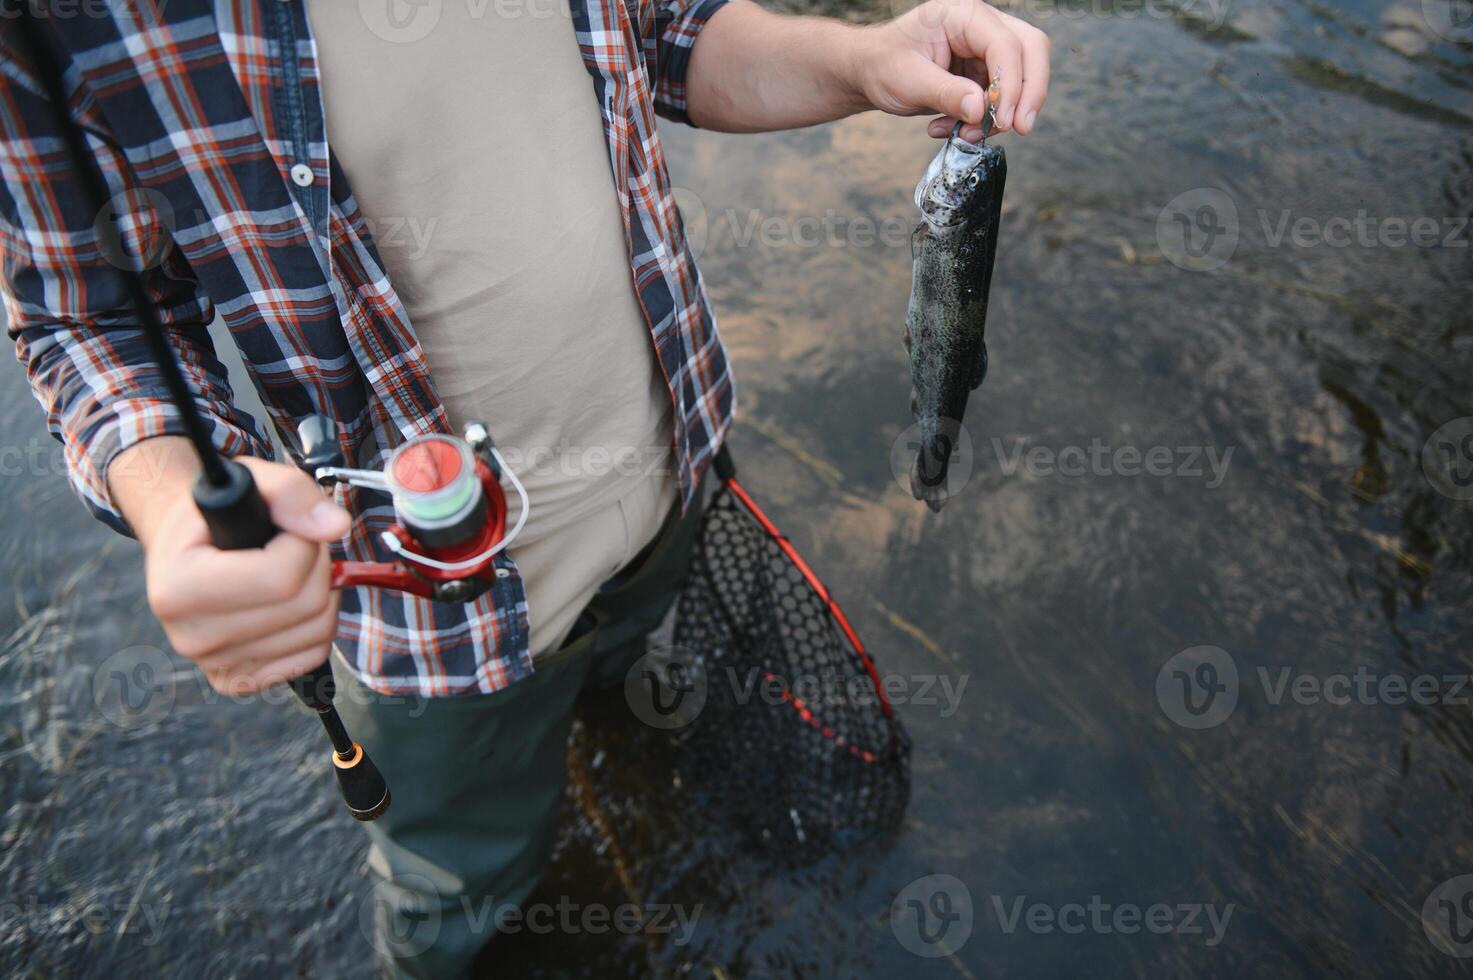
(420, 579)
(451, 511)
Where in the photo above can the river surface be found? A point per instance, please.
(1216, 361)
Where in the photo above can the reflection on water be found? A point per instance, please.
(1096, 540)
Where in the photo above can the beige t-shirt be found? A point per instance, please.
(471, 136)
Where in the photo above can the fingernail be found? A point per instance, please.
(1005, 119)
(971, 106)
(1028, 119)
(326, 514)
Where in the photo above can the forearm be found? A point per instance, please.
(753, 70)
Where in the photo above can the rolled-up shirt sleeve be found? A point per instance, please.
(69, 311)
(678, 23)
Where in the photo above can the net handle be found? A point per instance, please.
(726, 470)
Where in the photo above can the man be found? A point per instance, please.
(322, 174)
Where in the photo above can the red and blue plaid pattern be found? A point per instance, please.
(206, 119)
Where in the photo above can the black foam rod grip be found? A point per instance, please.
(235, 512)
(364, 789)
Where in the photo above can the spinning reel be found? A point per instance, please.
(449, 506)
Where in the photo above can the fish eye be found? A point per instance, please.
(973, 180)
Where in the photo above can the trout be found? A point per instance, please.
(952, 250)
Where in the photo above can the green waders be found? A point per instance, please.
(477, 781)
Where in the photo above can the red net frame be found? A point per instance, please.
(797, 746)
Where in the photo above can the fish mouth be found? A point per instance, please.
(942, 190)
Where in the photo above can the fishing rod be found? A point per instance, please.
(447, 496)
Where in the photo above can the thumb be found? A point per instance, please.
(298, 506)
(931, 88)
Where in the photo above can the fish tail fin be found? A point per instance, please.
(928, 477)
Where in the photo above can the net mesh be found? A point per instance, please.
(795, 746)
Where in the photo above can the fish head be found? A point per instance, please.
(955, 186)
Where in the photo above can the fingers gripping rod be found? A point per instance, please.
(227, 497)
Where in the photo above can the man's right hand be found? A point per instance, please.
(249, 618)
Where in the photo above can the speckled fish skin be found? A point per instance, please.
(953, 248)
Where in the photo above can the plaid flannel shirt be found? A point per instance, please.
(205, 117)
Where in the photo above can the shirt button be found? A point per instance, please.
(302, 175)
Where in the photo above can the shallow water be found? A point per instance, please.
(208, 842)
